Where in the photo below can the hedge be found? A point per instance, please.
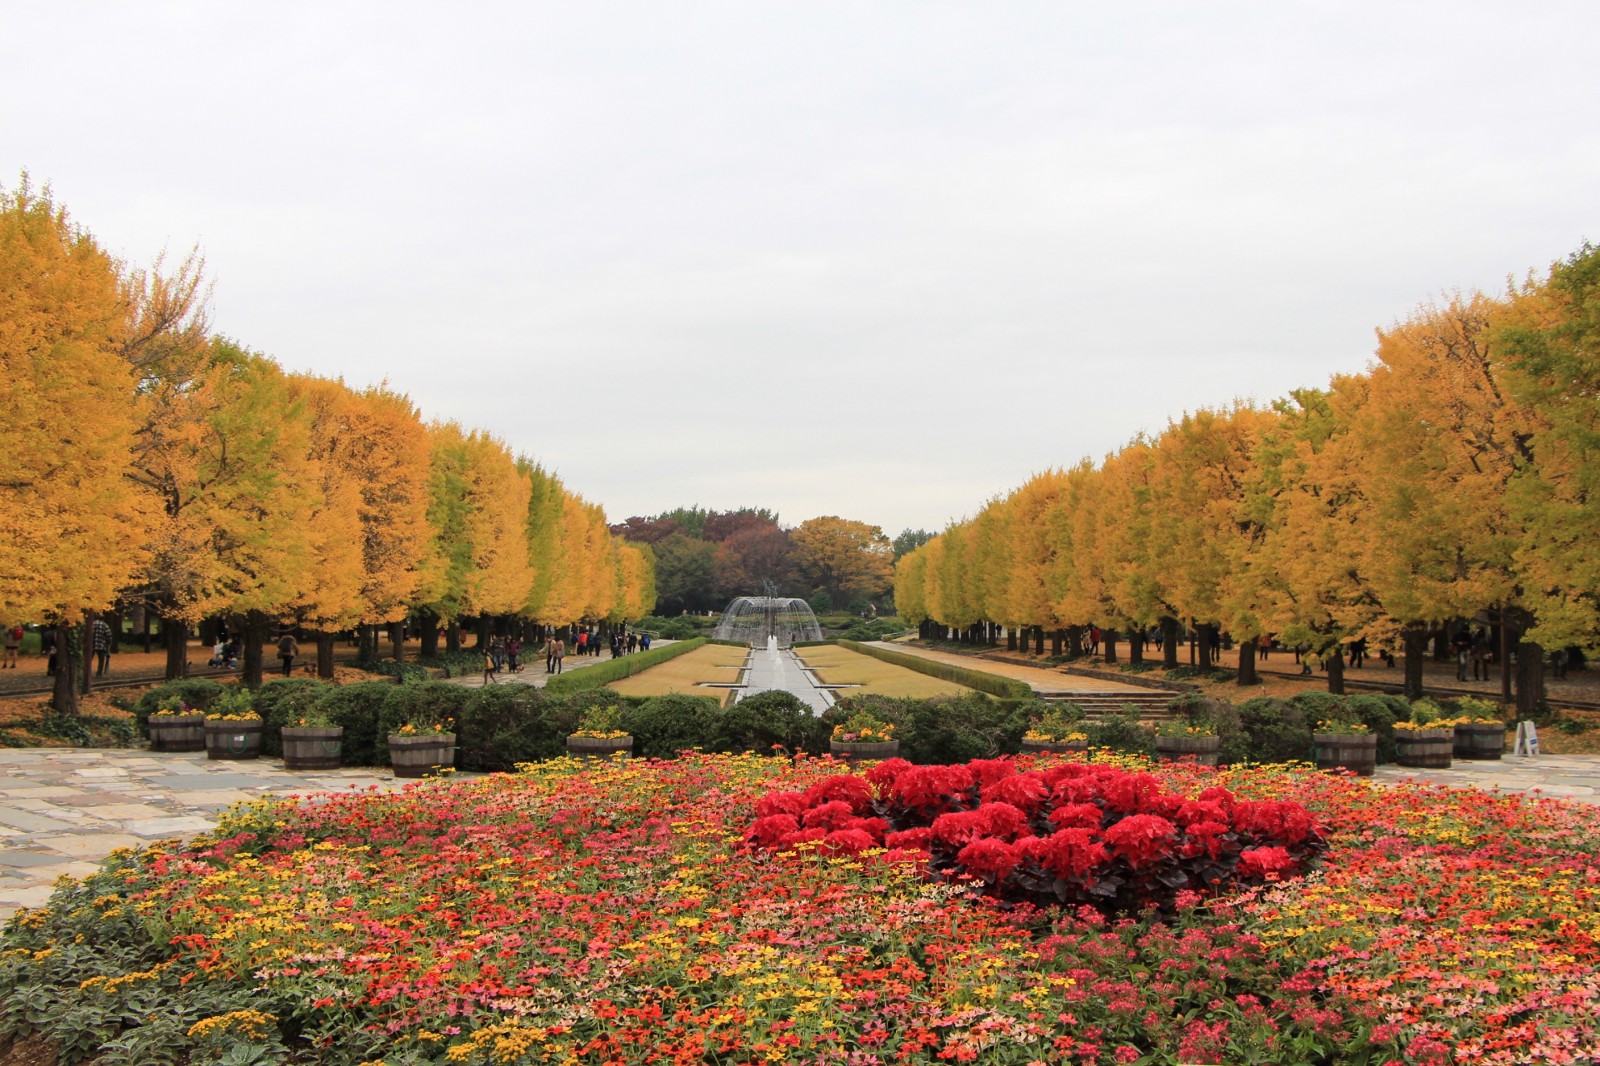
(602, 674)
(993, 684)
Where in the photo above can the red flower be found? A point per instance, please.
(1141, 839)
(933, 788)
(882, 777)
(990, 858)
(1025, 791)
(830, 815)
(1070, 853)
(1267, 864)
(990, 771)
(782, 803)
(845, 788)
(1077, 816)
(769, 831)
(916, 839)
(849, 841)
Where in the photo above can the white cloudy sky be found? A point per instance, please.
(881, 260)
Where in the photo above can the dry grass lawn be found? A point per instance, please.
(687, 673)
(839, 666)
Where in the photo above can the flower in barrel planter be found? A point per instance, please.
(312, 740)
(1480, 732)
(600, 734)
(1424, 740)
(176, 726)
(1057, 730)
(422, 745)
(864, 736)
(233, 727)
(1178, 739)
(1344, 743)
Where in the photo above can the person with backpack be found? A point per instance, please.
(287, 650)
(13, 642)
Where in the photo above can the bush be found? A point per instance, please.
(683, 627)
(461, 663)
(1276, 730)
(662, 726)
(1379, 714)
(1121, 731)
(944, 729)
(993, 684)
(197, 692)
(498, 726)
(278, 701)
(364, 710)
(876, 629)
(405, 672)
(757, 723)
(603, 673)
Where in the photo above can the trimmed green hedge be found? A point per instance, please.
(993, 684)
(602, 674)
(197, 692)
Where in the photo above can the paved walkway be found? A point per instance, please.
(1573, 777)
(1045, 682)
(532, 672)
(62, 810)
(777, 669)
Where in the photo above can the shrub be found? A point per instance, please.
(757, 723)
(662, 726)
(1121, 731)
(278, 701)
(944, 729)
(461, 663)
(498, 726)
(197, 692)
(1277, 730)
(684, 627)
(1377, 713)
(365, 710)
(403, 672)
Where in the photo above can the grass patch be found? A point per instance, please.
(841, 666)
(687, 673)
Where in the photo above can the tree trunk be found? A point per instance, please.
(1169, 642)
(255, 636)
(1038, 640)
(1011, 638)
(176, 635)
(1136, 646)
(144, 627)
(114, 619)
(1205, 635)
(1414, 643)
(430, 634)
(1505, 659)
(64, 698)
(1055, 642)
(1530, 677)
(1109, 639)
(1247, 663)
(86, 642)
(1441, 645)
(483, 631)
(325, 655)
(397, 642)
(1335, 663)
(1075, 642)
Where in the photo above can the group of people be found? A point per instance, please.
(99, 646)
(579, 640)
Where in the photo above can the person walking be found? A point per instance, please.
(581, 645)
(491, 664)
(561, 653)
(513, 650)
(100, 644)
(550, 654)
(287, 650)
(13, 643)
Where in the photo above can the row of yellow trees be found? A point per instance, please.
(150, 462)
(1456, 481)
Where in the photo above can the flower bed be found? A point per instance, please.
(614, 914)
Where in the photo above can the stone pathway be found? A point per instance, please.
(1573, 777)
(532, 672)
(62, 810)
(777, 669)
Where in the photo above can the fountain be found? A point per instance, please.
(770, 622)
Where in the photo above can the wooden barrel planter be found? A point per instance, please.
(1486, 740)
(862, 750)
(598, 747)
(423, 755)
(182, 732)
(1356, 752)
(1426, 749)
(1046, 747)
(312, 747)
(1202, 750)
(233, 740)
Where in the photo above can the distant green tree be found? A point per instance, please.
(909, 541)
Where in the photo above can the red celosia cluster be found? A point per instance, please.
(1069, 832)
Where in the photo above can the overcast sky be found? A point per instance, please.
(877, 260)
